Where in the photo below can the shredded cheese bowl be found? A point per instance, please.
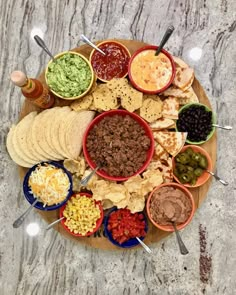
(83, 215)
(50, 182)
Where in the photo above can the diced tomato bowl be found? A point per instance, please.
(122, 227)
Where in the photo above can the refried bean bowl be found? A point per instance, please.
(119, 141)
(170, 202)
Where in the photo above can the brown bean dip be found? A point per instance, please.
(170, 204)
(121, 143)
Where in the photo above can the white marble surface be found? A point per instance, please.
(47, 263)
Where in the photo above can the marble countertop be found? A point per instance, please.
(47, 263)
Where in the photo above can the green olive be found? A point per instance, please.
(203, 162)
(196, 157)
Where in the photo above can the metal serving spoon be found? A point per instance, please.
(222, 127)
(182, 247)
(20, 220)
(41, 43)
(165, 38)
(87, 41)
(217, 177)
(147, 249)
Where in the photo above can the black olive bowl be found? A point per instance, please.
(195, 119)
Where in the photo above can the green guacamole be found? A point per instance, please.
(69, 75)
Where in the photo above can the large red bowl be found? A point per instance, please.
(167, 54)
(121, 113)
(98, 223)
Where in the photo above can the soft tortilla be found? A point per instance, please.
(172, 142)
(184, 78)
(75, 132)
(12, 152)
(55, 127)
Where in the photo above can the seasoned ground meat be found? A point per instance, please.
(121, 143)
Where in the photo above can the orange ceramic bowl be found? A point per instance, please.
(170, 228)
(205, 175)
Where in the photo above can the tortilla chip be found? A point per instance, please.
(82, 104)
(131, 99)
(165, 168)
(170, 108)
(191, 97)
(107, 204)
(76, 182)
(151, 110)
(136, 203)
(133, 184)
(104, 98)
(75, 166)
(117, 85)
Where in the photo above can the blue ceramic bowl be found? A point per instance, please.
(128, 244)
(30, 197)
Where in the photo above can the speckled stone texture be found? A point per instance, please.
(48, 264)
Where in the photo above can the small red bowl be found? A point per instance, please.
(121, 113)
(108, 60)
(154, 48)
(170, 228)
(205, 175)
(99, 221)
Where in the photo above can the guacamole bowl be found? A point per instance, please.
(70, 76)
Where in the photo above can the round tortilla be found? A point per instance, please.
(62, 113)
(12, 152)
(37, 136)
(45, 141)
(63, 129)
(75, 132)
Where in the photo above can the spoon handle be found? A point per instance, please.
(182, 247)
(87, 41)
(222, 127)
(54, 222)
(41, 43)
(86, 179)
(144, 245)
(20, 220)
(165, 38)
(218, 178)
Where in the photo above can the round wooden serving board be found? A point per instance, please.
(98, 240)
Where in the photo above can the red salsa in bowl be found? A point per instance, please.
(112, 65)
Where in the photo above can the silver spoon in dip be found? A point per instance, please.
(87, 41)
(165, 38)
(20, 220)
(222, 127)
(182, 247)
(41, 43)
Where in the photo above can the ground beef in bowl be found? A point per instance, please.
(121, 143)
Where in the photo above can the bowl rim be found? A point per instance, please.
(98, 222)
(103, 42)
(209, 167)
(213, 122)
(122, 113)
(166, 53)
(88, 63)
(169, 228)
(132, 240)
(30, 197)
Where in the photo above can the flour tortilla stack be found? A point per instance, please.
(172, 142)
(164, 166)
(162, 123)
(63, 129)
(38, 136)
(54, 131)
(75, 132)
(12, 152)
